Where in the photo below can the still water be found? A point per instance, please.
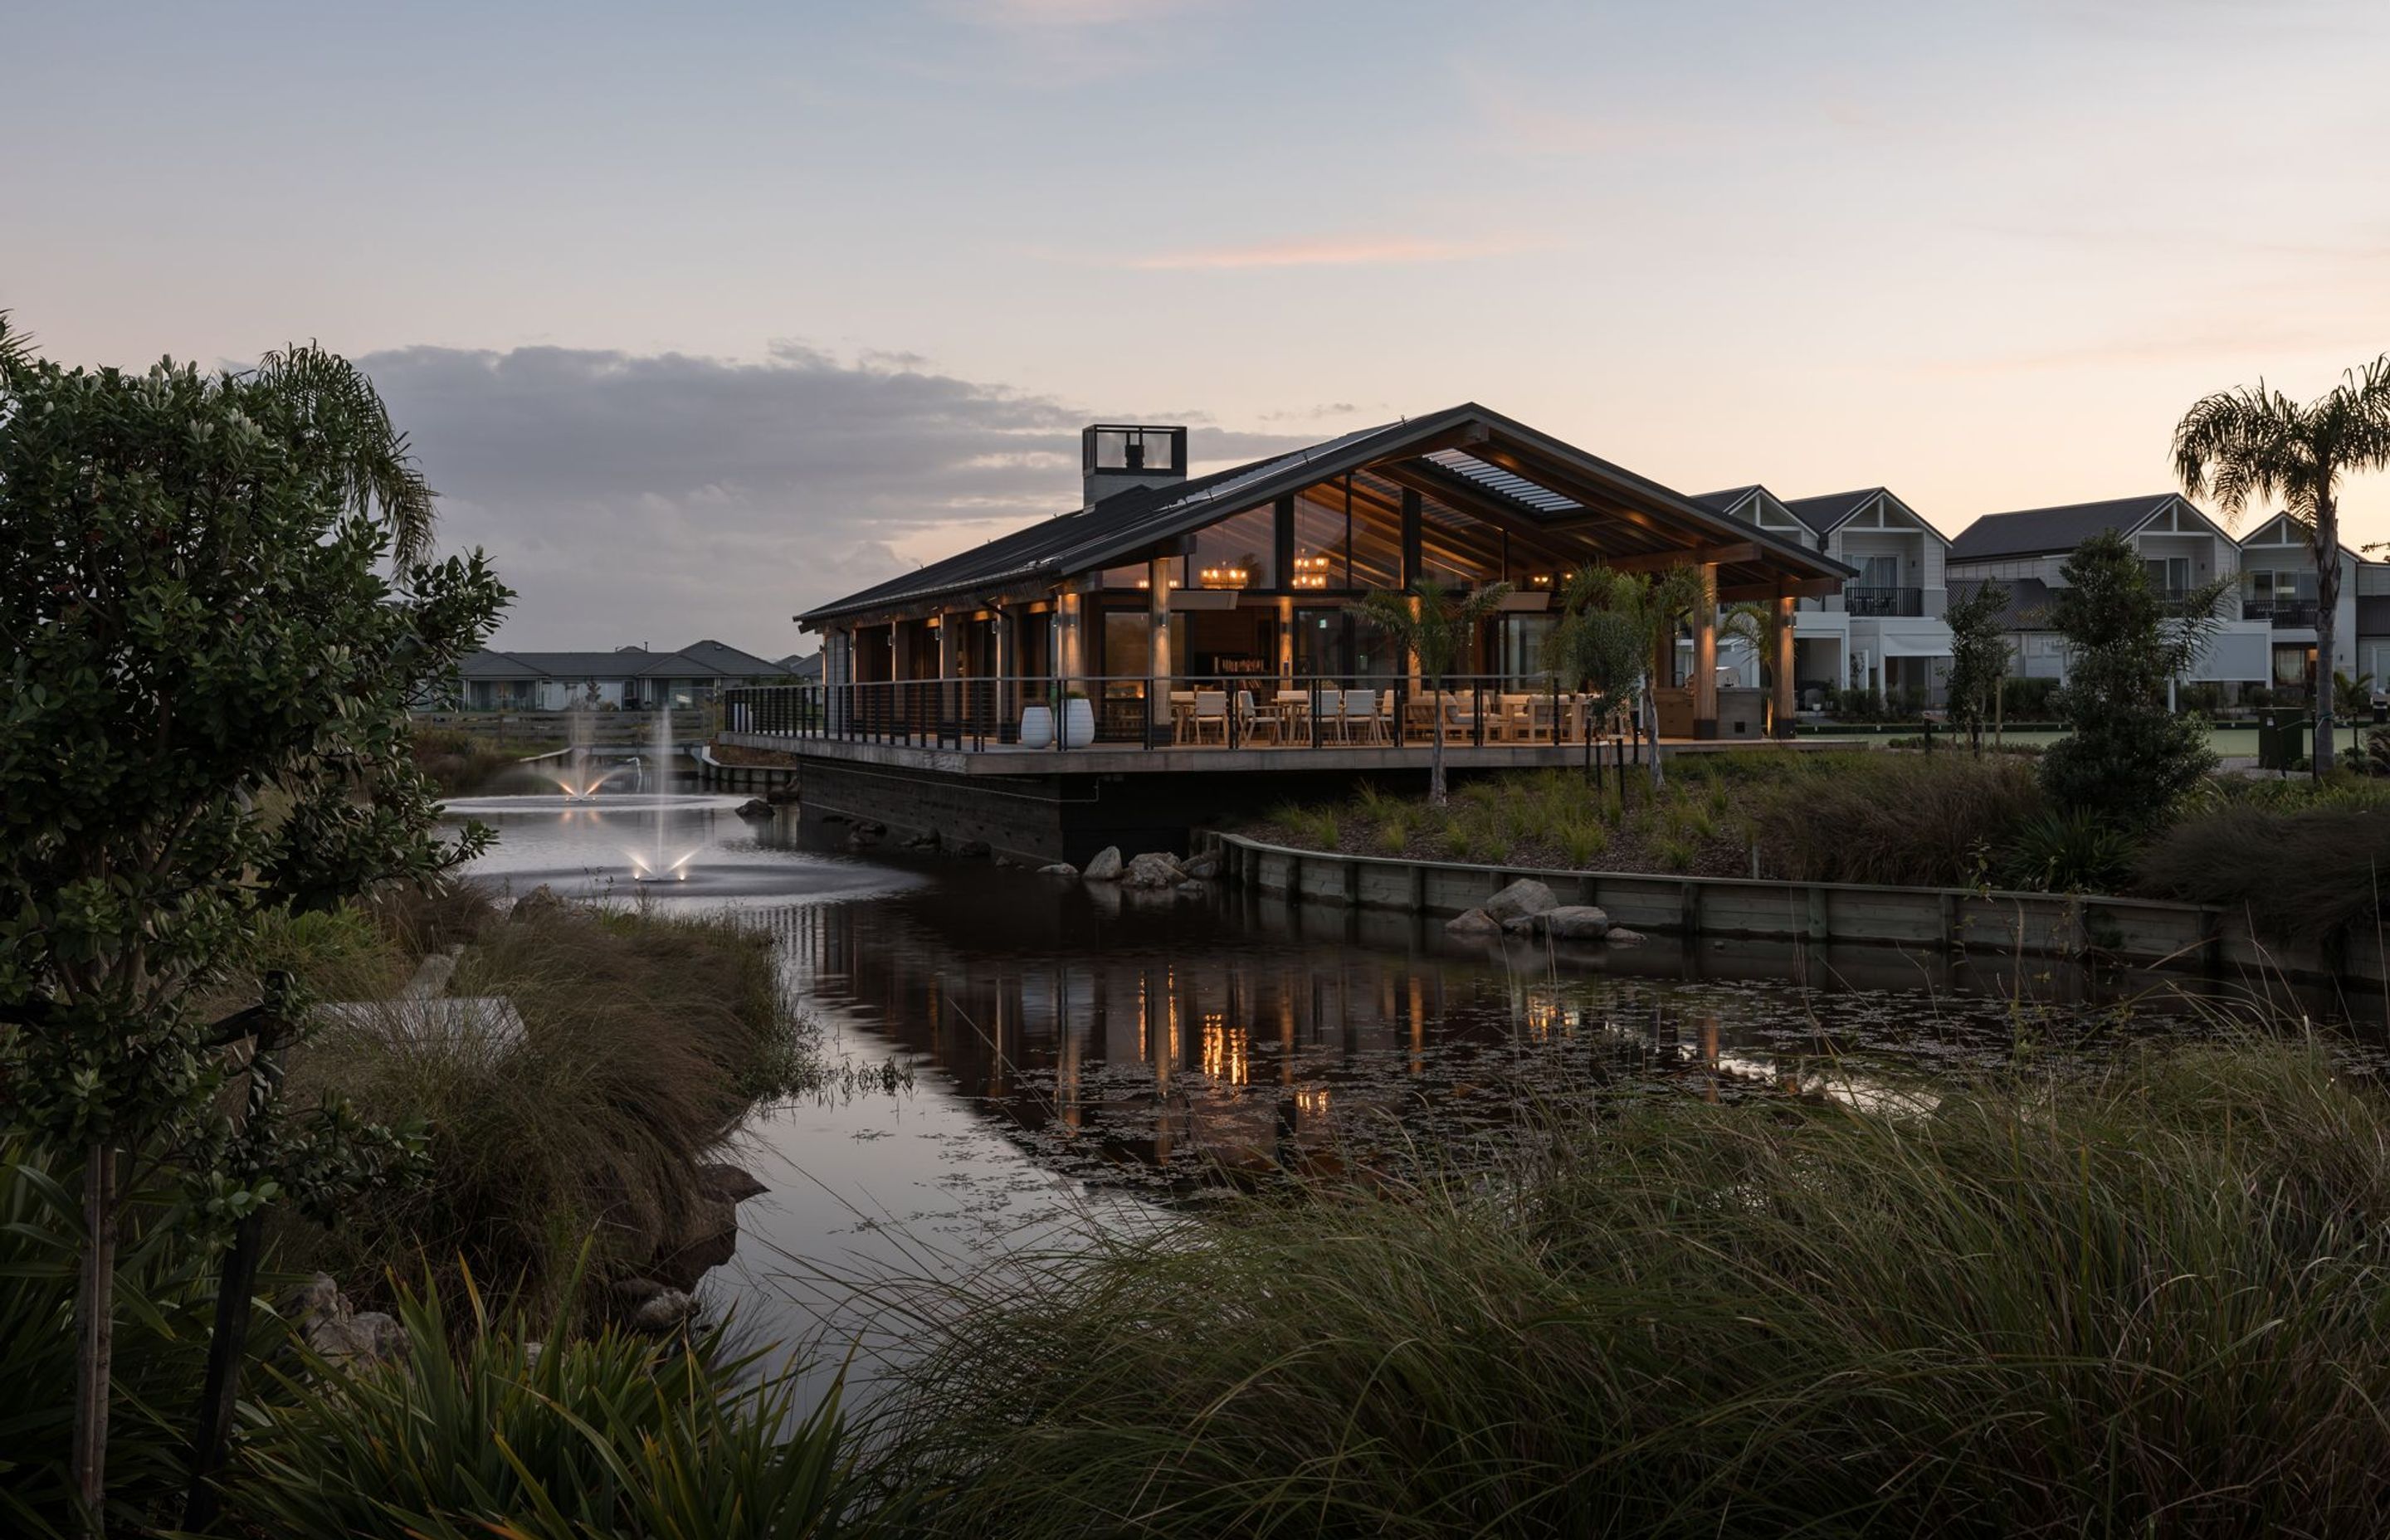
(1067, 1054)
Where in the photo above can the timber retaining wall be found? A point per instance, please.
(2139, 932)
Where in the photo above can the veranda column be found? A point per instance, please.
(1006, 712)
(950, 668)
(1784, 608)
(1705, 655)
(1067, 655)
(1161, 668)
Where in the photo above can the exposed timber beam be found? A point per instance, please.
(1692, 557)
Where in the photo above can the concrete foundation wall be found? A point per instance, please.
(2143, 932)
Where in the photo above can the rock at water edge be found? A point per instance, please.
(1105, 866)
(1526, 897)
(1575, 922)
(1475, 922)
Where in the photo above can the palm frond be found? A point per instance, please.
(336, 413)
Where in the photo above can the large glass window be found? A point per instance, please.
(1457, 550)
(1237, 552)
(1137, 575)
(1377, 543)
(1321, 537)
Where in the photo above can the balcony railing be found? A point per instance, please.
(1862, 600)
(1306, 711)
(2284, 613)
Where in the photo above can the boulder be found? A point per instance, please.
(1152, 870)
(786, 792)
(754, 807)
(926, 840)
(663, 1311)
(1519, 924)
(972, 850)
(341, 1335)
(1526, 897)
(1191, 889)
(1618, 935)
(1475, 922)
(637, 1292)
(730, 1183)
(1059, 869)
(1573, 922)
(540, 899)
(1203, 867)
(1105, 866)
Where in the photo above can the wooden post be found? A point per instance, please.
(1161, 668)
(950, 671)
(1706, 703)
(1785, 699)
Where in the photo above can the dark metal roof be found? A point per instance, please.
(1727, 500)
(2046, 532)
(2028, 599)
(726, 662)
(707, 660)
(1828, 513)
(1127, 525)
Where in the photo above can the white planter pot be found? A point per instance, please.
(1078, 724)
(1037, 727)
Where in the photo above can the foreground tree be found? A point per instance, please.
(1647, 608)
(1979, 658)
(1434, 626)
(2126, 758)
(2255, 442)
(215, 589)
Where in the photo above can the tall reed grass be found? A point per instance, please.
(646, 1039)
(2153, 1302)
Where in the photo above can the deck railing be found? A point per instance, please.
(1859, 599)
(1292, 712)
(2286, 614)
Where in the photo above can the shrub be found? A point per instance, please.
(2313, 874)
(2069, 852)
(2145, 1302)
(2126, 757)
(481, 1432)
(1884, 817)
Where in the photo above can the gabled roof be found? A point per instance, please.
(1827, 513)
(2251, 538)
(1473, 452)
(2048, 532)
(707, 660)
(719, 658)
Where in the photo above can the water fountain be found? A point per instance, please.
(659, 865)
(578, 783)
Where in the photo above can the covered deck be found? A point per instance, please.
(1221, 615)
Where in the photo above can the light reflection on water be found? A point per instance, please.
(1078, 1052)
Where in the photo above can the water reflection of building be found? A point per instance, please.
(1177, 1041)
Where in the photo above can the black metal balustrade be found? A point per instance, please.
(1303, 712)
(2285, 614)
(1863, 600)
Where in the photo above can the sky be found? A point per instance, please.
(700, 316)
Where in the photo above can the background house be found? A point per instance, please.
(1885, 630)
(2024, 550)
(631, 678)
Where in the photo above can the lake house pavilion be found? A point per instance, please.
(1221, 611)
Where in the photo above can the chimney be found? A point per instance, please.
(1116, 456)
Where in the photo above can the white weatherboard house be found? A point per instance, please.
(1885, 630)
(2024, 550)
(2278, 588)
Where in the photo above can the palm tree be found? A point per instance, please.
(1434, 628)
(2255, 442)
(333, 411)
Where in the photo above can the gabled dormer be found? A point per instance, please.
(1761, 509)
(1900, 557)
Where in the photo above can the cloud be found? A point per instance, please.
(661, 498)
(1331, 252)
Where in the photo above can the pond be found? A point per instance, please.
(1076, 1054)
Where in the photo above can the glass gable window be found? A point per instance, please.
(1322, 541)
(1237, 551)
